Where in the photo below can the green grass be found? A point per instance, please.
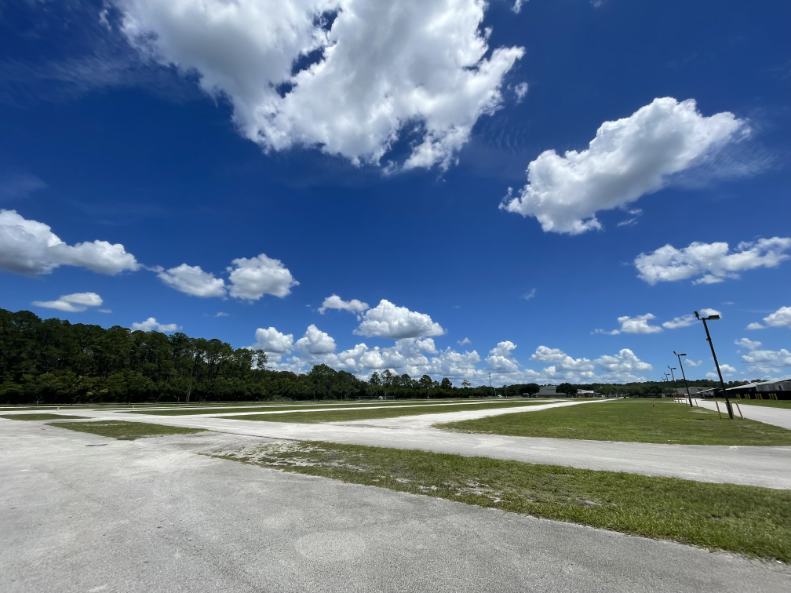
(375, 414)
(39, 416)
(748, 520)
(637, 421)
(318, 406)
(124, 431)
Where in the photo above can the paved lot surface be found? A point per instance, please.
(766, 414)
(757, 466)
(80, 512)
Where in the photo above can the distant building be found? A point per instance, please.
(763, 390)
(694, 391)
(588, 393)
(760, 390)
(549, 391)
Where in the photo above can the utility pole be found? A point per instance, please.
(672, 374)
(490, 384)
(686, 385)
(717, 364)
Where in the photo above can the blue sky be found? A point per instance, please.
(253, 158)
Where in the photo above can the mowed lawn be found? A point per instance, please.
(640, 421)
(124, 431)
(745, 519)
(375, 414)
(301, 405)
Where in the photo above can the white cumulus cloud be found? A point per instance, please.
(72, 303)
(316, 341)
(500, 358)
(780, 318)
(336, 302)
(628, 158)
(152, 324)
(767, 360)
(561, 361)
(749, 344)
(272, 341)
(709, 263)
(379, 68)
(252, 278)
(678, 322)
(30, 247)
(387, 320)
(638, 324)
(624, 362)
(193, 280)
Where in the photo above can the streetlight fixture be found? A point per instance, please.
(714, 354)
(672, 374)
(689, 397)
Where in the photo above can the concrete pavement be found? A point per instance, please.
(83, 513)
(755, 466)
(766, 414)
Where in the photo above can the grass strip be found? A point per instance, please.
(317, 406)
(125, 431)
(636, 421)
(749, 520)
(40, 416)
(375, 414)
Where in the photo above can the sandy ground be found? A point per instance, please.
(83, 513)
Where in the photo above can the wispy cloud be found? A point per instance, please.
(20, 185)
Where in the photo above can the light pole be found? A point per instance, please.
(714, 354)
(667, 379)
(490, 384)
(673, 375)
(689, 397)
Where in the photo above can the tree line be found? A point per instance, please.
(52, 361)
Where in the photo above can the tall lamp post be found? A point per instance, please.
(686, 385)
(714, 354)
(673, 375)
